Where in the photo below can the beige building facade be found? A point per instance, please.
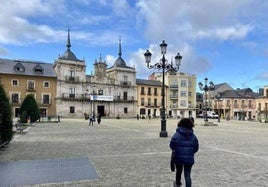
(182, 93)
(237, 104)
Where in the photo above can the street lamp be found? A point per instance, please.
(163, 65)
(218, 97)
(206, 88)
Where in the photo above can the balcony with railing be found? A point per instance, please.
(125, 84)
(72, 79)
(75, 97)
(123, 99)
(174, 106)
(173, 96)
(173, 87)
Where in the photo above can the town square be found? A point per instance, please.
(129, 152)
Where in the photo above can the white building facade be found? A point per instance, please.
(110, 92)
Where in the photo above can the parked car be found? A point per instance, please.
(210, 114)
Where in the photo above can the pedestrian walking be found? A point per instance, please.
(99, 118)
(91, 120)
(184, 144)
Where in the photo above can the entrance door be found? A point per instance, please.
(100, 110)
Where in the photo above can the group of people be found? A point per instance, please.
(92, 119)
(184, 144)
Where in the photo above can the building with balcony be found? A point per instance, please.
(237, 104)
(182, 93)
(22, 77)
(149, 97)
(110, 91)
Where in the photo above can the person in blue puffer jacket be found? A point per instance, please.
(184, 144)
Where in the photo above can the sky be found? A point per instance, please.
(223, 40)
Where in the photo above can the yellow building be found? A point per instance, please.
(262, 106)
(20, 78)
(149, 97)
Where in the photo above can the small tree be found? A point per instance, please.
(5, 115)
(29, 109)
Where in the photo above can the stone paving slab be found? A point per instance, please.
(31, 172)
(128, 152)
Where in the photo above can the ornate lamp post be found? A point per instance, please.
(218, 97)
(206, 88)
(163, 65)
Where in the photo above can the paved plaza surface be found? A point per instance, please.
(129, 152)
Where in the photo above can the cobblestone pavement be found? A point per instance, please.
(129, 153)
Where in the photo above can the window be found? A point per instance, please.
(15, 98)
(72, 109)
(228, 103)
(183, 83)
(125, 110)
(72, 76)
(46, 84)
(30, 85)
(189, 94)
(38, 69)
(155, 102)
(189, 83)
(142, 101)
(149, 90)
(125, 78)
(182, 103)
(125, 96)
(250, 103)
(72, 73)
(142, 91)
(155, 91)
(46, 99)
(72, 92)
(15, 82)
(149, 101)
(183, 93)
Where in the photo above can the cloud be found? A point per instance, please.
(228, 33)
(191, 20)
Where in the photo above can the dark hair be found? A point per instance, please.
(186, 122)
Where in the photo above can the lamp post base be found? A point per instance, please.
(163, 134)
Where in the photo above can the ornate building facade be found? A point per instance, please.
(110, 91)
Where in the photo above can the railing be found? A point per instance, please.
(125, 84)
(68, 96)
(173, 96)
(71, 79)
(123, 99)
(174, 106)
(173, 86)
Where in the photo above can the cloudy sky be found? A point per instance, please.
(224, 40)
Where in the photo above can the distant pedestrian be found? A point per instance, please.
(91, 120)
(99, 118)
(184, 145)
